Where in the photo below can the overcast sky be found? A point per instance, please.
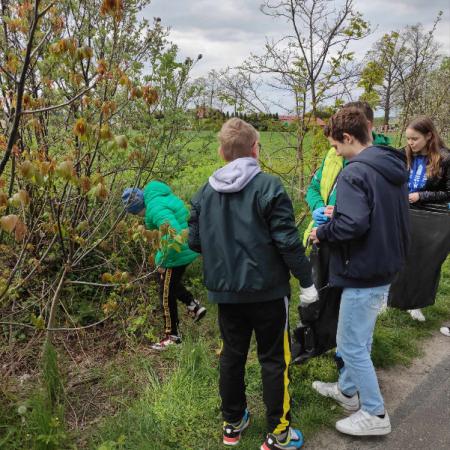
(225, 32)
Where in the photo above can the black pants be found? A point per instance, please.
(270, 322)
(171, 289)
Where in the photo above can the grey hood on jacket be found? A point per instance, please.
(235, 175)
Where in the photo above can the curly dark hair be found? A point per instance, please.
(351, 121)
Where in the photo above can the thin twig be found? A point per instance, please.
(58, 329)
(110, 285)
(61, 105)
(42, 13)
(36, 49)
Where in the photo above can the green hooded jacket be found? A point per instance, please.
(163, 206)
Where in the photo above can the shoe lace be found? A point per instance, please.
(360, 417)
(193, 305)
(290, 435)
(229, 428)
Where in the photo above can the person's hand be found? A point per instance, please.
(319, 217)
(414, 197)
(313, 236)
(308, 295)
(329, 211)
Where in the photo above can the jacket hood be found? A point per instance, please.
(156, 189)
(387, 161)
(235, 175)
(380, 139)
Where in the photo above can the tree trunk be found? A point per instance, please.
(387, 102)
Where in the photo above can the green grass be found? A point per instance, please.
(278, 154)
(36, 421)
(181, 411)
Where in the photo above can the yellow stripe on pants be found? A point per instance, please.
(167, 320)
(284, 423)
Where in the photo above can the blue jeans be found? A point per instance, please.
(357, 316)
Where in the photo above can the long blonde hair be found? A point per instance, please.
(425, 126)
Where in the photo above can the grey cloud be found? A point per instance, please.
(217, 20)
(229, 30)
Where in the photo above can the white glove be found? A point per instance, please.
(309, 295)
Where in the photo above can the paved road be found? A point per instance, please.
(420, 420)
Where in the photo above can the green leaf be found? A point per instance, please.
(38, 322)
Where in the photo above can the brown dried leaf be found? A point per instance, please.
(80, 127)
(8, 223)
(3, 200)
(20, 231)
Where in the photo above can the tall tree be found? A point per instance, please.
(421, 57)
(396, 67)
(433, 97)
(313, 60)
(380, 76)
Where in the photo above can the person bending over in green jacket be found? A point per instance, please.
(321, 193)
(242, 221)
(159, 206)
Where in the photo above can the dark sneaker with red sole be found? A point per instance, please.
(232, 433)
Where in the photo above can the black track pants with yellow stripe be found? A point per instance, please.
(172, 289)
(269, 321)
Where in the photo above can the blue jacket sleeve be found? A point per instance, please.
(352, 213)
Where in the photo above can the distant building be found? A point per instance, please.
(204, 112)
(287, 119)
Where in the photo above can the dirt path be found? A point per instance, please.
(418, 401)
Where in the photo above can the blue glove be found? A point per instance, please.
(319, 217)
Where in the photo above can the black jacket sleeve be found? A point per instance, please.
(442, 192)
(280, 217)
(194, 226)
(352, 213)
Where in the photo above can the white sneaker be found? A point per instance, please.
(445, 331)
(165, 342)
(417, 314)
(332, 390)
(362, 423)
(196, 310)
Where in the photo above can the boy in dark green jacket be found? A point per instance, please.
(242, 221)
(160, 206)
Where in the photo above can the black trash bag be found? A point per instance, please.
(416, 285)
(317, 332)
(309, 313)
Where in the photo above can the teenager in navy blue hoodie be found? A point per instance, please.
(368, 239)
